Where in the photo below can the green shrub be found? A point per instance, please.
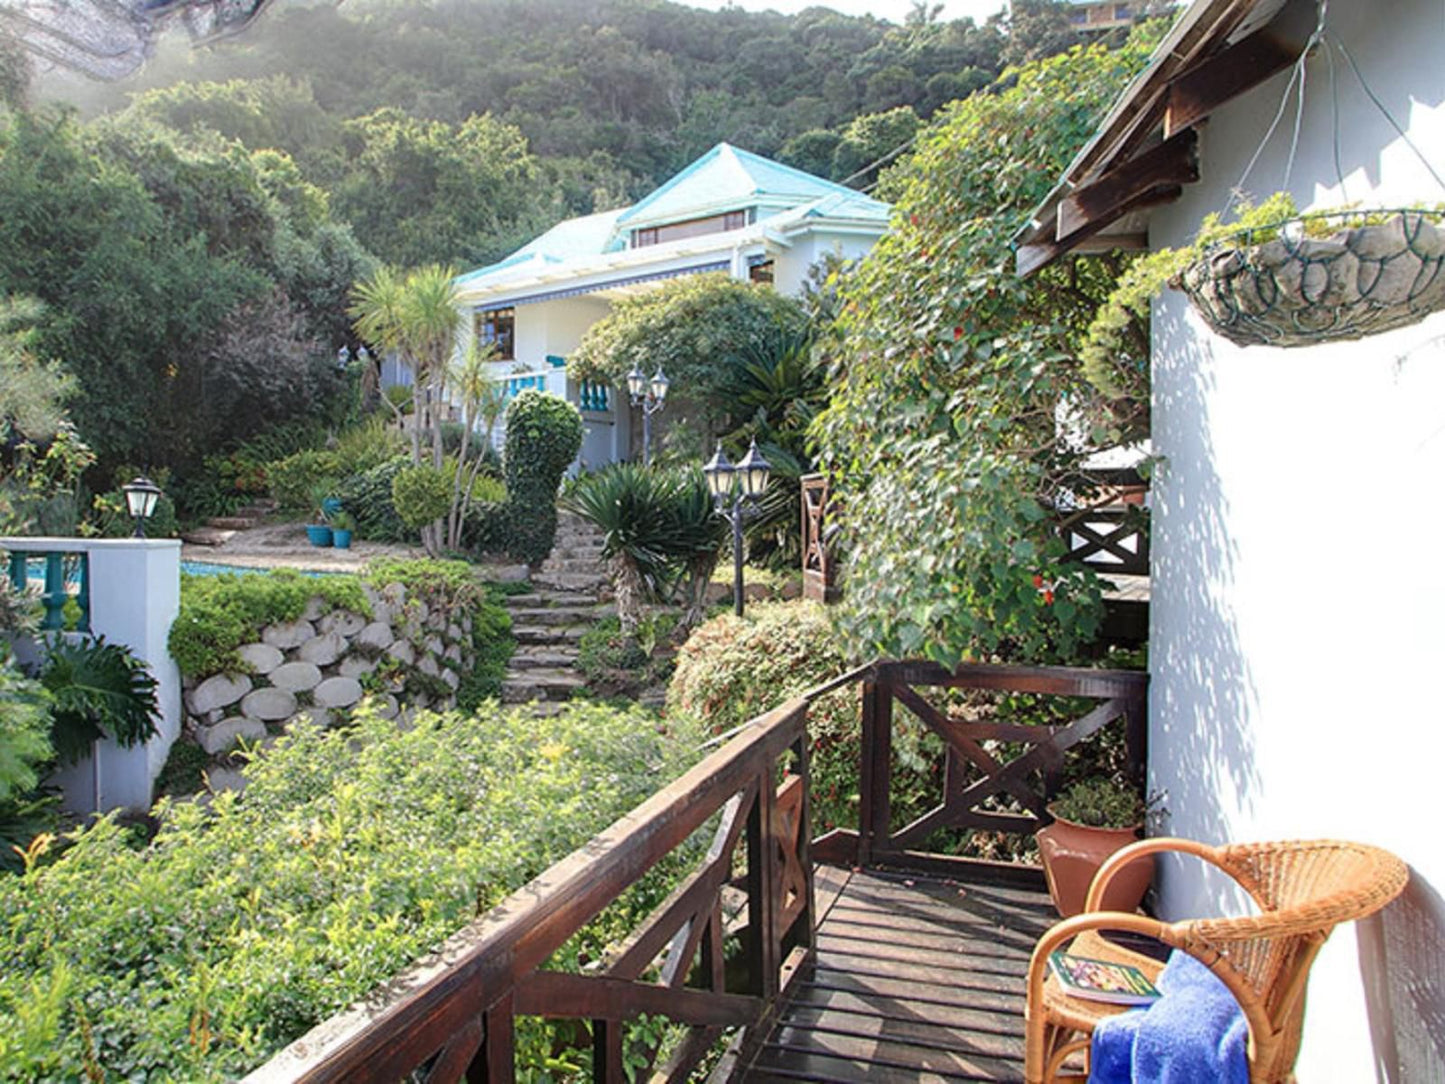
(732, 669)
(421, 495)
(544, 435)
(615, 662)
(367, 496)
(220, 613)
(296, 477)
(97, 690)
(365, 446)
(492, 647)
(353, 852)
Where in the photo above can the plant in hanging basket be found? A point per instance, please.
(1320, 278)
(1276, 277)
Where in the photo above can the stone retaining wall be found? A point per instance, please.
(409, 654)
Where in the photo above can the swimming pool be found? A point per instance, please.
(211, 568)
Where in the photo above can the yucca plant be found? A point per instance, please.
(97, 690)
(658, 530)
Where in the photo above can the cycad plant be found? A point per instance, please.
(658, 533)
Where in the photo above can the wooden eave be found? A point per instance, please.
(1147, 148)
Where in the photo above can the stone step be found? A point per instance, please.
(551, 598)
(548, 634)
(544, 657)
(231, 523)
(541, 685)
(569, 581)
(576, 553)
(572, 564)
(561, 615)
(207, 536)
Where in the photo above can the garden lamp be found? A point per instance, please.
(650, 396)
(751, 472)
(343, 358)
(141, 495)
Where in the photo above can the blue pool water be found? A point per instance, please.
(210, 568)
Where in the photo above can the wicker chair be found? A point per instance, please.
(1303, 890)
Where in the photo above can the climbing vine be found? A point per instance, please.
(958, 406)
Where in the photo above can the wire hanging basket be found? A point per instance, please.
(1321, 277)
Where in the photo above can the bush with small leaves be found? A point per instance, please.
(421, 495)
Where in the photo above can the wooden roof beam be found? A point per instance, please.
(1220, 79)
(1173, 163)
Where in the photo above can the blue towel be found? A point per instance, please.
(1194, 1034)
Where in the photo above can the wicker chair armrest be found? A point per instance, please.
(1145, 847)
(1065, 931)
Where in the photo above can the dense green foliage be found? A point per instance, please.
(367, 497)
(658, 528)
(613, 96)
(942, 433)
(220, 613)
(544, 435)
(353, 852)
(24, 731)
(695, 329)
(492, 647)
(190, 287)
(294, 479)
(420, 495)
(97, 690)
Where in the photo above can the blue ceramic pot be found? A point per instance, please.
(319, 534)
(340, 539)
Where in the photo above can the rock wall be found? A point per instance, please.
(407, 653)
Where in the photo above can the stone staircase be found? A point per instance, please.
(218, 530)
(548, 622)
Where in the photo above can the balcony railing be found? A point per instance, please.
(61, 575)
(452, 1016)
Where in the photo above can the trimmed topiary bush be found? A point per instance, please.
(421, 495)
(544, 435)
(353, 852)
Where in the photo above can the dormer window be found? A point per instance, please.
(693, 227)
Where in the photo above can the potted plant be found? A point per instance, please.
(342, 524)
(1092, 819)
(318, 532)
(1276, 277)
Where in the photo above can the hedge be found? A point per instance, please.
(351, 853)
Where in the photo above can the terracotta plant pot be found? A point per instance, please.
(1072, 854)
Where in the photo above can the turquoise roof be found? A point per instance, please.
(724, 179)
(727, 176)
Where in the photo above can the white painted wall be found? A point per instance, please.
(135, 595)
(1298, 614)
(793, 264)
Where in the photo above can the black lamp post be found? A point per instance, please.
(141, 495)
(744, 485)
(650, 395)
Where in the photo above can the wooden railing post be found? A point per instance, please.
(762, 944)
(495, 1063)
(875, 754)
(805, 923)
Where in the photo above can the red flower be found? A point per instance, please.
(1038, 581)
(957, 334)
(1049, 597)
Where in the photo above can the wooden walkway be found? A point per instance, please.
(913, 980)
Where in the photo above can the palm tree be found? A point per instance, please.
(416, 315)
(482, 400)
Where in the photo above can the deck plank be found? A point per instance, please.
(913, 979)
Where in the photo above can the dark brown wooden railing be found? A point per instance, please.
(1108, 539)
(451, 1016)
(975, 771)
(818, 570)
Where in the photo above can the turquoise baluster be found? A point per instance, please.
(19, 571)
(53, 597)
(83, 597)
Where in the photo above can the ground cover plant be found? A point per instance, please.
(352, 853)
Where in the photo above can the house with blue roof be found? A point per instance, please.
(730, 211)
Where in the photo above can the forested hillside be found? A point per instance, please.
(454, 130)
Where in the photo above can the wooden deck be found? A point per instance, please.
(913, 980)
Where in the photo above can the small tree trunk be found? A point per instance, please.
(627, 584)
(699, 578)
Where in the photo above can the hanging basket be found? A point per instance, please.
(1321, 278)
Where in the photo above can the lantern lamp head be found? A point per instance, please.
(636, 382)
(659, 385)
(343, 358)
(141, 495)
(754, 471)
(719, 472)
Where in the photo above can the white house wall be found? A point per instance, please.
(791, 265)
(1298, 611)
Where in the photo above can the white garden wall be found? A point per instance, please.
(1298, 611)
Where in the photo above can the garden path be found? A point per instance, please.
(549, 621)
